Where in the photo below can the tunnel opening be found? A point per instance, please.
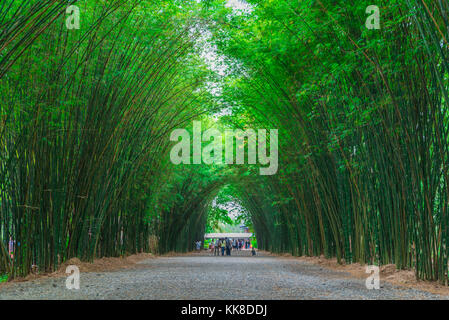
(228, 218)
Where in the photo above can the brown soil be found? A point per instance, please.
(105, 264)
(388, 273)
(99, 265)
(181, 254)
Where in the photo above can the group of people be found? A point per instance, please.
(227, 245)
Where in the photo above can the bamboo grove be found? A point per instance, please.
(362, 116)
(85, 115)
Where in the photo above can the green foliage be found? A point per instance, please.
(362, 115)
(85, 119)
(3, 278)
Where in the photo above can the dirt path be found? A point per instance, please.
(208, 277)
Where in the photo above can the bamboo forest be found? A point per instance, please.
(350, 96)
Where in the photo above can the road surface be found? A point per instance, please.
(209, 277)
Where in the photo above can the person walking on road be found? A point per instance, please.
(228, 247)
(223, 247)
(217, 247)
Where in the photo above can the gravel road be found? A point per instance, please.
(208, 277)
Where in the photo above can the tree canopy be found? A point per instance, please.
(361, 115)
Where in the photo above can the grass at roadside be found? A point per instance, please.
(3, 278)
